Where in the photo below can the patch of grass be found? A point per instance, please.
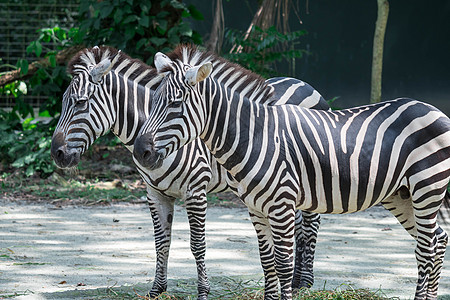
(30, 264)
(342, 294)
(257, 293)
(58, 190)
(252, 288)
(11, 295)
(224, 199)
(5, 256)
(222, 288)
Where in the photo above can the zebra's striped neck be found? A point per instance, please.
(234, 123)
(129, 88)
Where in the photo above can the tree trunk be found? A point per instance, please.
(269, 13)
(217, 31)
(378, 45)
(61, 58)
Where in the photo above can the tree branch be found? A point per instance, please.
(61, 58)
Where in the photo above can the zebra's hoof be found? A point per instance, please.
(156, 291)
(203, 292)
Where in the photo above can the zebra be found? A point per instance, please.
(111, 91)
(286, 157)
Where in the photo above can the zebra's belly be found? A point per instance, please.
(330, 198)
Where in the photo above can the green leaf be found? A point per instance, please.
(185, 29)
(30, 171)
(145, 8)
(158, 41)
(140, 30)
(61, 33)
(106, 10)
(31, 47)
(141, 43)
(23, 65)
(176, 4)
(45, 114)
(197, 38)
(130, 19)
(162, 15)
(162, 26)
(19, 163)
(129, 33)
(118, 16)
(195, 13)
(52, 60)
(38, 48)
(145, 21)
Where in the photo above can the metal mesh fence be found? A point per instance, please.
(19, 24)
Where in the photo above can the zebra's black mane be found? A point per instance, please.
(190, 54)
(89, 57)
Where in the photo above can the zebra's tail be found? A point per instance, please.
(444, 210)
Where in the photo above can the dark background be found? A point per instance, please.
(340, 39)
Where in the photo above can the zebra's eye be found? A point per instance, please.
(175, 104)
(81, 102)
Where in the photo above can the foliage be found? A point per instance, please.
(140, 29)
(262, 48)
(25, 145)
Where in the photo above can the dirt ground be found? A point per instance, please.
(46, 251)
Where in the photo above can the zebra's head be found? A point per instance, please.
(83, 112)
(178, 115)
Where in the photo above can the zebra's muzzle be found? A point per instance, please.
(63, 157)
(145, 153)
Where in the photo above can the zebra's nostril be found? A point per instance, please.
(147, 154)
(59, 154)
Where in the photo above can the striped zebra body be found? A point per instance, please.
(111, 91)
(284, 157)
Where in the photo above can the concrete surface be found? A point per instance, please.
(45, 249)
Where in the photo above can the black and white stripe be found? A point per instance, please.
(284, 157)
(111, 91)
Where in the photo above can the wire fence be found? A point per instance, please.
(20, 22)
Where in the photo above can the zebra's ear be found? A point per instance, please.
(103, 68)
(161, 61)
(100, 69)
(199, 73)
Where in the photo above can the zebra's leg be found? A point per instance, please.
(442, 240)
(196, 209)
(282, 223)
(431, 239)
(161, 209)
(266, 254)
(402, 207)
(306, 229)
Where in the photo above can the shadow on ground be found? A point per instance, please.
(48, 250)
